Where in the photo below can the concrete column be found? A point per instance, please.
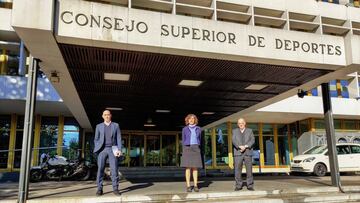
(28, 132)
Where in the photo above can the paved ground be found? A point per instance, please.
(53, 189)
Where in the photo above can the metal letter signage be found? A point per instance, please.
(111, 23)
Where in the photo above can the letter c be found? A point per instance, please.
(62, 17)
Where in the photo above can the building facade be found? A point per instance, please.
(248, 58)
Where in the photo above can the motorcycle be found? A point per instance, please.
(58, 168)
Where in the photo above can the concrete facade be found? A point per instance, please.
(312, 35)
(124, 27)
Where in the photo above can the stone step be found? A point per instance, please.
(314, 194)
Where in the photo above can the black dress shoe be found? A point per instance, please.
(99, 193)
(188, 189)
(250, 188)
(117, 193)
(238, 188)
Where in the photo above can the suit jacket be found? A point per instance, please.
(186, 135)
(99, 139)
(249, 140)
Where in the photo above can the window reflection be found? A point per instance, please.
(207, 147)
(71, 139)
(222, 156)
(169, 150)
(48, 135)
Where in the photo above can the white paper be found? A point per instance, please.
(114, 150)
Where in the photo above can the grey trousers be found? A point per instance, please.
(238, 165)
(113, 162)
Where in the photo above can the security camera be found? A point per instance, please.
(301, 93)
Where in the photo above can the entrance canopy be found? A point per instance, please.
(140, 62)
(153, 86)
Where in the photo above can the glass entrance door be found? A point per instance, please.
(125, 150)
(169, 150)
(136, 153)
(152, 150)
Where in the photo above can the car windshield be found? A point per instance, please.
(316, 150)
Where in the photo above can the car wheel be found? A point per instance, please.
(320, 169)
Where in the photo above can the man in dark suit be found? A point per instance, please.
(107, 145)
(243, 139)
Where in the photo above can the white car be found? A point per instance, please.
(316, 160)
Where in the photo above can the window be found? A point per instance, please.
(339, 88)
(331, 1)
(344, 88)
(48, 135)
(333, 89)
(343, 149)
(355, 149)
(319, 124)
(10, 66)
(71, 139)
(124, 149)
(152, 150)
(293, 135)
(284, 158)
(222, 156)
(303, 126)
(207, 147)
(316, 150)
(337, 124)
(314, 92)
(5, 122)
(169, 150)
(268, 142)
(19, 140)
(355, 3)
(350, 125)
(89, 147)
(6, 3)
